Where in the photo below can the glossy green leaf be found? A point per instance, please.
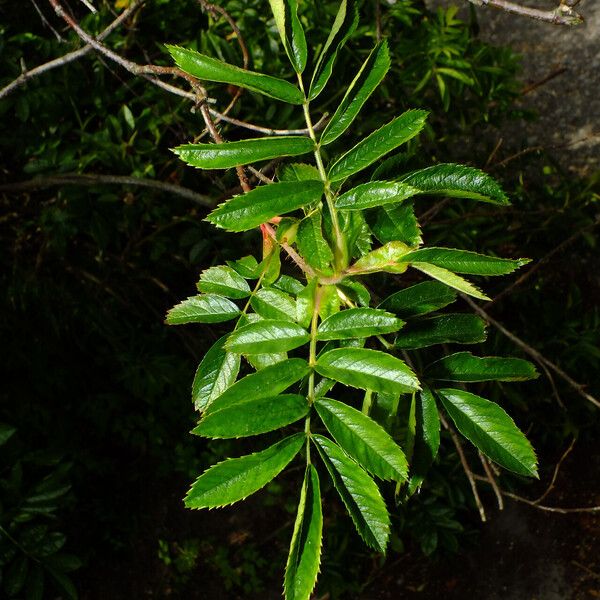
(358, 323)
(305, 548)
(364, 84)
(236, 478)
(250, 210)
(305, 303)
(463, 366)
(397, 222)
(223, 281)
(491, 430)
(267, 382)
(271, 303)
(330, 302)
(463, 261)
(311, 243)
(343, 26)
(419, 299)
(356, 291)
(210, 69)
(374, 193)
(234, 154)
(298, 172)
(367, 370)
(289, 285)
(427, 438)
(457, 181)
(207, 308)
(248, 267)
(387, 258)
(267, 336)
(363, 439)
(358, 492)
(442, 329)
(450, 279)
(253, 417)
(380, 142)
(217, 371)
(290, 31)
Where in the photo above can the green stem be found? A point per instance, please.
(340, 247)
(312, 359)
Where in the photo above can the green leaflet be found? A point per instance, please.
(343, 26)
(253, 417)
(247, 267)
(397, 222)
(236, 478)
(450, 279)
(330, 301)
(267, 382)
(457, 181)
(359, 493)
(235, 154)
(210, 69)
(375, 193)
(207, 308)
(267, 336)
(311, 243)
(419, 299)
(250, 210)
(491, 430)
(364, 84)
(463, 261)
(305, 303)
(380, 142)
(358, 323)
(387, 258)
(356, 291)
(298, 172)
(456, 328)
(363, 439)
(305, 548)
(463, 366)
(367, 370)
(289, 285)
(427, 438)
(290, 31)
(271, 303)
(217, 371)
(223, 281)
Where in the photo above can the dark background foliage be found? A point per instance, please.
(95, 398)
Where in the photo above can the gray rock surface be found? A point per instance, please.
(568, 105)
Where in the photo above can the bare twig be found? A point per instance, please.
(563, 14)
(537, 356)
(91, 180)
(467, 469)
(535, 85)
(46, 22)
(556, 470)
(553, 509)
(71, 56)
(492, 480)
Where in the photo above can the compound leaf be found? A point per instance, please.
(223, 281)
(271, 303)
(363, 439)
(206, 308)
(267, 336)
(236, 478)
(217, 371)
(305, 548)
(491, 430)
(253, 417)
(366, 81)
(359, 493)
(243, 152)
(250, 210)
(451, 328)
(457, 181)
(368, 370)
(210, 69)
(377, 144)
(463, 366)
(358, 323)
